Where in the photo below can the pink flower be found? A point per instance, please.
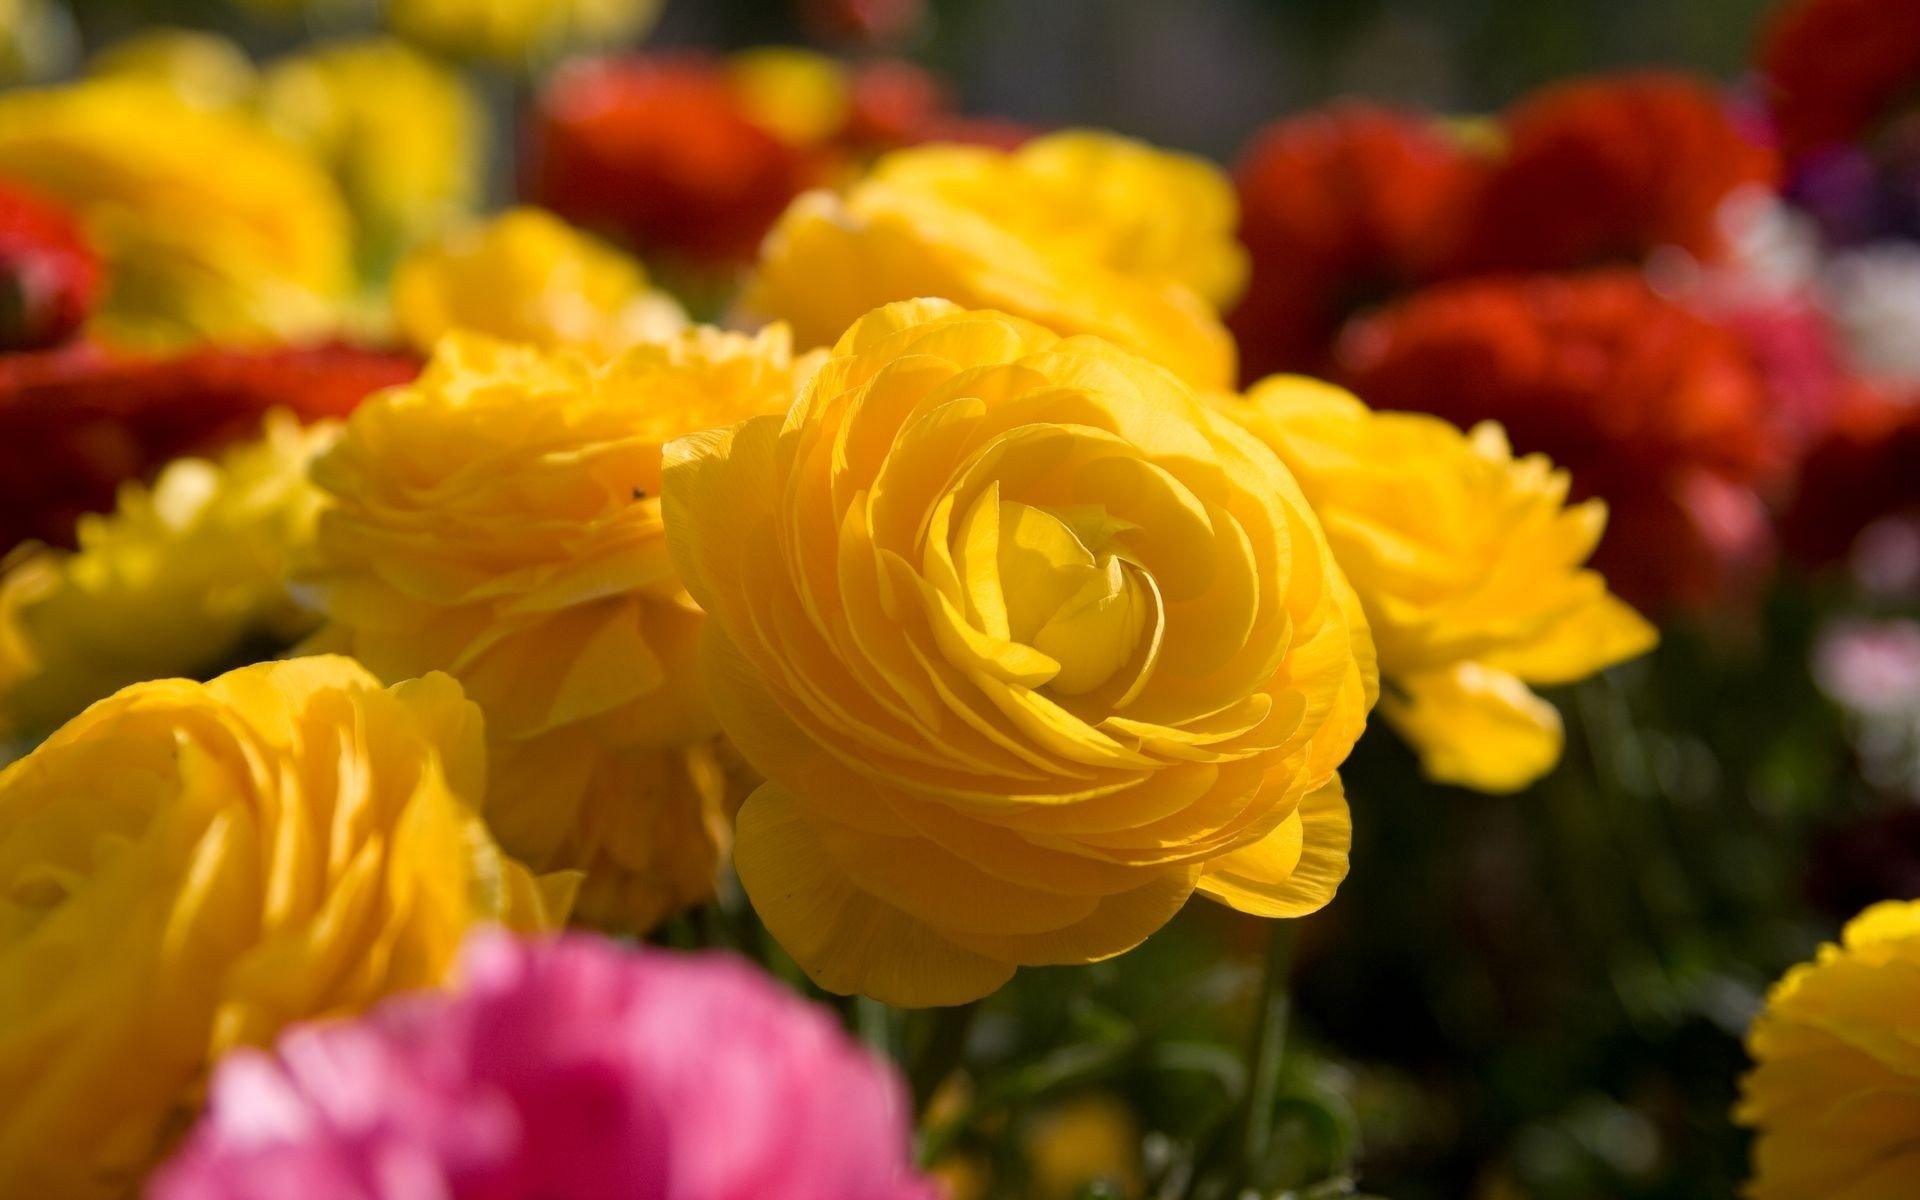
(559, 1069)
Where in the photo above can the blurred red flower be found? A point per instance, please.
(75, 423)
(662, 153)
(49, 276)
(1607, 170)
(1867, 466)
(1833, 68)
(1648, 405)
(1339, 209)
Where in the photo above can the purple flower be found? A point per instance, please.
(560, 1070)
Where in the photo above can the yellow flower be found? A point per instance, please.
(177, 580)
(1080, 232)
(1834, 1096)
(1469, 565)
(205, 68)
(188, 867)
(797, 95)
(403, 135)
(519, 30)
(212, 228)
(1029, 645)
(500, 520)
(527, 276)
(1091, 1139)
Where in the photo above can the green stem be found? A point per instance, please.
(874, 1022)
(1266, 1051)
(943, 1050)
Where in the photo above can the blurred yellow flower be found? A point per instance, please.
(403, 135)
(1080, 232)
(187, 867)
(1834, 1096)
(1029, 645)
(1090, 1139)
(528, 276)
(205, 68)
(500, 520)
(519, 31)
(797, 95)
(177, 580)
(1469, 565)
(212, 227)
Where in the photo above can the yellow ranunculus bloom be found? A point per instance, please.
(519, 30)
(1469, 565)
(402, 134)
(798, 95)
(205, 68)
(1080, 232)
(528, 276)
(186, 868)
(500, 520)
(177, 580)
(212, 227)
(1834, 1095)
(1029, 644)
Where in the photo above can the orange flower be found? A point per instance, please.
(49, 277)
(663, 152)
(1834, 67)
(1649, 406)
(1338, 208)
(1608, 170)
(76, 423)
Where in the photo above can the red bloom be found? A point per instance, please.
(76, 423)
(1862, 470)
(1607, 170)
(1647, 404)
(1339, 209)
(1833, 68)
(49, 277)
(661, 152)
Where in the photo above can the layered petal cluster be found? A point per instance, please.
(572, 1069)
(403, 135)
(1652, 408)
(186, 868)
(1080, 232)
(500, 520)
(50, 277)
(1834, 1096)
(1608, 170)
(1028, 643)
(1833, 69)
(77, 424)
(1338, 209)
(211, 227)
(179, 579)
(527, 276)
(1470, 566)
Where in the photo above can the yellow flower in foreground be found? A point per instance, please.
(403, 135)
(1029, 645)
(500, 520)
(528, 276)
(187, 867)
(1835, 1093)
(518, 30)
(212, 227)
(1469, 565)
(1080, 232)
(177, 580)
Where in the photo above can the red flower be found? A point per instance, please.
(1833, 68)
(1646, 403)
(1607, 170)
(76, 423)
(1339, 209)
(895, 103)
(49, 277)
(662, 153)
(1863, 469)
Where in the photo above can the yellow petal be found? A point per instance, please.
(1295, 869)
(1475, 727)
